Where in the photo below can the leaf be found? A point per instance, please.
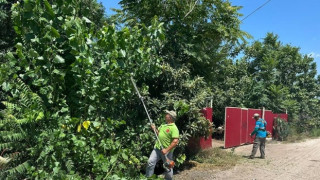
(90, 59)
(86, 124)
(49, 8)
(96, 124)
(56, 71)
(5, 86)
(58, 59)
(79, 128)
(19, 46)
(123, 53)
(124, 156)
(55, 32)
(40, 116)
(33, 53)
(56, 170)
(62, 135)
(86, 20)
(113, 159)
(10, 56)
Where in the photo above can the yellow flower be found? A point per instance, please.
(86, 124)
(79, 128)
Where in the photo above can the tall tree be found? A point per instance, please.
(284, 79)
(199, 34)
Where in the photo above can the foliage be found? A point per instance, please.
(82, 77)
(7, 33)
(70, 108)
(18, 127)
(272, 75)
(285, 79)
(81, 74)
(233, 88)
(200, 34)
(281, 129)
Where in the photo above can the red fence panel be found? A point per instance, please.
(282, 116)
(206, 142)
(232, 127)
(239, 123)
(196, 144)
(268, 116)
(244, 126)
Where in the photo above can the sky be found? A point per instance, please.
(296, 22)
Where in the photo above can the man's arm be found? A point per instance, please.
(255, 131)
(173, 144)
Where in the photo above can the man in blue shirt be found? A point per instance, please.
(261, 134)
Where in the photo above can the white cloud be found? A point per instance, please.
(314, 55)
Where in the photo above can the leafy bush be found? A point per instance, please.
(315, 132)
(92, 124)
(281, 129)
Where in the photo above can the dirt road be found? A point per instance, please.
(283, 162)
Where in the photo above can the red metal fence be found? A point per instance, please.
(239, 123)
(196, 144)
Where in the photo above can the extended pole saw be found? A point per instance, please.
(168, 164)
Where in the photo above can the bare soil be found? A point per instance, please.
(283, 162)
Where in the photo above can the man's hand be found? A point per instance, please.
(153, 127)
(172, 145)
(164, 151)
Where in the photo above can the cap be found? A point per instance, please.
(171, 113)
(256, 115)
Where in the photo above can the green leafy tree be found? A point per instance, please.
(7, 33)
(199, 34)
(81, 74)
(284, 79)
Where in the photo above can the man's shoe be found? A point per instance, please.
(251, 157)
(262, 157)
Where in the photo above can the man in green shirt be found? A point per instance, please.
(169, 137)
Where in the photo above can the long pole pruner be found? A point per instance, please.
(168, 162)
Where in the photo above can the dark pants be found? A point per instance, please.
(155, 156)
(258, 142)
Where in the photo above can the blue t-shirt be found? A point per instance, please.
(260, 128)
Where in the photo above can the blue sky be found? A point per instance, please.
(297, 22)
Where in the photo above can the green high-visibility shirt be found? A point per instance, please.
(167, 132)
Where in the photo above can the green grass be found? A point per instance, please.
(217, 157)
(315, 132)
(295, 136)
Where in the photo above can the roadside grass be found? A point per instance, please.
(215, 157)
(295, 136)
(315, 132)
(218, 158)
